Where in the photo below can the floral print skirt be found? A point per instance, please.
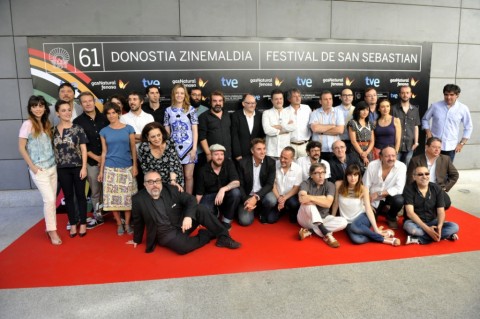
(119, 186)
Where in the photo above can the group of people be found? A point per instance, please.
(196, 165)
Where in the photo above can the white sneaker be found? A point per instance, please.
(69, 226)
(411, 240)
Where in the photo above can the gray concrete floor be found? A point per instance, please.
(445, 286)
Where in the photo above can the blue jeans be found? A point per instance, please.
(405, 157)
(246, 218)
(360, 233)
(231, 200)
(414, 230)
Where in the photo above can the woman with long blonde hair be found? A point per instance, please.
(353, 202)
(181, 122)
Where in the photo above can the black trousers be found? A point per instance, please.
(72, 185)
(396, 203)
(183, 243)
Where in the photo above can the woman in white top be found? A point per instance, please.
(352, 199)
(35, 146)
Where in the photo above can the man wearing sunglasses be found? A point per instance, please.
(425, 211)
(441, 169)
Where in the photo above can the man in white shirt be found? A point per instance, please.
(385, 179)
(288, 177)
(301, 135)
(327, 124)
(346, 108)
(136, 118)
(277, 124)
(314, 151)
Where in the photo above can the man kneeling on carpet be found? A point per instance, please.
(425, 208)
(170, 217)
(316, 197)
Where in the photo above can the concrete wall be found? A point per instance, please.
(451, 25)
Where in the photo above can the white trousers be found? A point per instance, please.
(46, 182)
(308, 215)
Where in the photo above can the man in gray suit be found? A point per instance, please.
(441, 169)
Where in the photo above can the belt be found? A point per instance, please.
(298, 143)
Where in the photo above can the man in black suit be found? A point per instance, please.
(257, 175)
(246, 125)
(170, 217)
(440, 167)
(341, 160)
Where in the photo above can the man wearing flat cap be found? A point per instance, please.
(217, 185)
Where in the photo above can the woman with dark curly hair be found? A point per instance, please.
(157, 153)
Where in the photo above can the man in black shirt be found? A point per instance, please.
(217, 185)
(152, 106)
(341, 160)
(214, 127)
(92, 121)
(425, 211)
(170, 217)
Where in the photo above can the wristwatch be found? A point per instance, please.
(379, 194)
(462, 143)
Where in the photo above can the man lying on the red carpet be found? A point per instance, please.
(171, 216)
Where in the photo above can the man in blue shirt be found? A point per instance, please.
(446, 117)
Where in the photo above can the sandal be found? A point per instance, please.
(387, 233)
(392, 241)
(304, 233)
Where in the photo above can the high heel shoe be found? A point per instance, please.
(84, 233)
(54, 241)
(72, 235)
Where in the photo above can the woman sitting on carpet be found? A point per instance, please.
(157, 153)
(35, 146)
(69, 141)
(352, 199)
(118, 167)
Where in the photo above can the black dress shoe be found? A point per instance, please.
(227, 242)
(73, 234)
(82, 234)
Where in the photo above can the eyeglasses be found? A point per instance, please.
(374, 95)
(150, 182)
(347, 95)
(423, 174)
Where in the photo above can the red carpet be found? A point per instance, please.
(103, 257)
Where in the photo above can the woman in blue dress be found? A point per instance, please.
(181, 123)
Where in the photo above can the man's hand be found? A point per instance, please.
(250, 204)
(304, 199)
(187, 224)
(131, 242)
(281, 202)
(432, 231)
(220, 196)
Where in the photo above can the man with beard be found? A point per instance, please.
(314, 150)
(371, 100)
(170, 217)
(278, 123)
(385, 180)
(288, 177)
(196, 100)
(425, 211)
(410, 121)
(217, 185)
(257, 175)
(442, 171)
(153, 106)
(66, 92)
(214, 127)
(136, 118)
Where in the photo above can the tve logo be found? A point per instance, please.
(372, 82)
(304, 82)
(394, 96)
(229, 82)
(146, 82)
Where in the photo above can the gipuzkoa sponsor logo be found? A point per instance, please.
(59, 57)
(104, 85)
(201, 83)
(334, 81)
(189, 83)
